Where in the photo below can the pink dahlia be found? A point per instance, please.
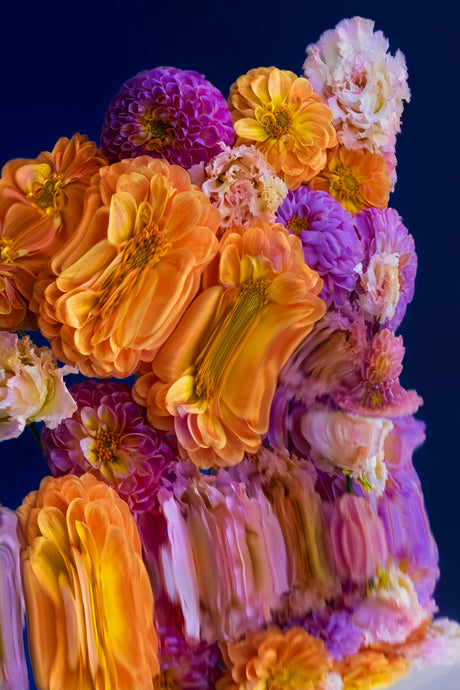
(167, 113)
(377, 391)
(109, 436)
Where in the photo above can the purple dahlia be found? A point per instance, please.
(110, 436)
(167, 113)
(330, 244)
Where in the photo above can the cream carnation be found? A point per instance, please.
(31, 386)
(351, 69)
(243, 186)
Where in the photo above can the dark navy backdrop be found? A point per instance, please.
(63, 62)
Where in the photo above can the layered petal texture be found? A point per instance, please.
(88, 598)
(117, 290)
(282, 116)
(203, 383)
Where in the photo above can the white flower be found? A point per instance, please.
(351, 69)
(31, 386)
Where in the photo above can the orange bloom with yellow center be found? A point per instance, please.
(117, 289)
(88, 598)
(41, 201)
(214, 379)
(282, 116)
(358, 179)
(369, 669)
(273, 660)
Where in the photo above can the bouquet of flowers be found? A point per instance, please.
(232, 501)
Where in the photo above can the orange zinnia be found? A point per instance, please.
(275, 659)
(118, 288)
(88, 598)
(358, 179)
(369, 670)
(282, 116)
(214, 379)
(41, 201)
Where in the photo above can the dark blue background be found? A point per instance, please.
(62, 63)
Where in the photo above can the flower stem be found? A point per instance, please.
(349, 484)
(35, 433)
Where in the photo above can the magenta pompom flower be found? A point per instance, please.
(109, 436)
(167, 113)
(330, 244)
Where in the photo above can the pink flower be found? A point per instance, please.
(224, 562)
(391, 611)
(31, 386)
(377, 391)
(243, 186)
(109, 436)
(357, 538)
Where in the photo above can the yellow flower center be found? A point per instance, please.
(7, 251)
(278, 123)
(293, 680)
(106, 446)
(223, 344)
(148, 243)
(296, 224)
(344, 182)
(47, 196)
(167, 680)
(158, 129)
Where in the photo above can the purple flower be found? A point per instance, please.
(110, 436)
(167, 113)
(330, 244)
(13, 670)
(387, 279)
(185, 666)
(341, 636)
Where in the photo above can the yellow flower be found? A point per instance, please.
(358, 179)
(118, 288)
(281, 115)
(214, 379)
(89, 603)
(273, 660)
(370, 669)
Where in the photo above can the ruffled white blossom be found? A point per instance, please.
(31, 386)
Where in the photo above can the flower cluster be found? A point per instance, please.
(244, 514)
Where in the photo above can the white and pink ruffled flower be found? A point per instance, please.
(363, 84)
(348, 442)
(243, 186)
(391, 611)
(31, 386)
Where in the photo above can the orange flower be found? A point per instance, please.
(370, 670)
(214, 379)
(274, 659)
(118, 288)
(281, 115)
(40, 203)
(358, 179)
(88, 598)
